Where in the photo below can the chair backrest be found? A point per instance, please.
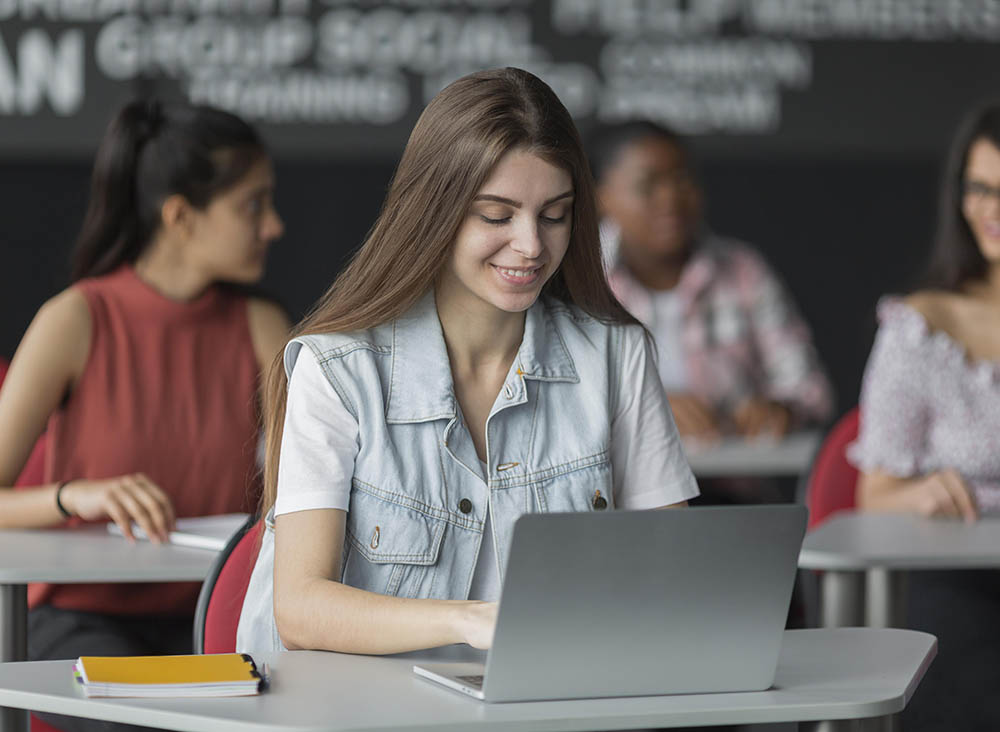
(222, 592)
(833, 480)
(33, 472)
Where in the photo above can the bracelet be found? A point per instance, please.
(59, 503)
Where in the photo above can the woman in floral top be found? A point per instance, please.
(930, 429)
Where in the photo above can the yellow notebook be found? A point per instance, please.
(223, 674)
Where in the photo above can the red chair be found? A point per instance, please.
(222, 592)
(832, 480)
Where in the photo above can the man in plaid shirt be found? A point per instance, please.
(734, 354)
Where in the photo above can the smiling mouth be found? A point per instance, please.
(518, 274)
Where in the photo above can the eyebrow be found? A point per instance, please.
(518, 204)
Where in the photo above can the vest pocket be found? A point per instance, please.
(391, 548)
(576, 489)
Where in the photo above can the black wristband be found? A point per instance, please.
(59, 503)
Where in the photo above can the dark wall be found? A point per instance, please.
(840, 232)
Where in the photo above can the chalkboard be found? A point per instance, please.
(331, 78)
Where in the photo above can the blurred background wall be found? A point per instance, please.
(820, 125)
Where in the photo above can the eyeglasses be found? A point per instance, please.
(979, 192)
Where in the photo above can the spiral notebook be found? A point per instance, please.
(221, 674)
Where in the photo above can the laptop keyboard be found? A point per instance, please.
(476, 681)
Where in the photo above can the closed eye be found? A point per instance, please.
(553, 219)
(495, 222)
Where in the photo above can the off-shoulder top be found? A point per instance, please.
(926, 406)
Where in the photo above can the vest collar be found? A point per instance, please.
(421, 388)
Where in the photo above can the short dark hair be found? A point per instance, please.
(149, 152)
(606, 143)
(956, 257)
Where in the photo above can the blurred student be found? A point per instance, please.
(470, 365)
(145, 370)
(929, 439)
(734, 355)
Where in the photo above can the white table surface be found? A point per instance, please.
(860, 541)
(91, 554)
(822, 674)
(739, 457)
(74, 556)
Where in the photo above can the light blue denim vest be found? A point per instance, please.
(419, 494)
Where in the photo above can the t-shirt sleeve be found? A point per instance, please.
(649, 469)
(319, 444)
(895, 415)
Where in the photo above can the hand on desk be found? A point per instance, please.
(757, 416)
(124, 499)
(942, 493)
(694, 418)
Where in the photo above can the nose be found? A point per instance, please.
(273, 227)
(527, 240)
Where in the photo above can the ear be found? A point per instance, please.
(177, 215)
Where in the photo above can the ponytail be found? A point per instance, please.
(112, 231)
(148, 153)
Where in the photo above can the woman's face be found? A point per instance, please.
(981, 199)
(514, 235)
(649, 192)
(231, 235)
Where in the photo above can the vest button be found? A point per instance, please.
(600, 502)
(465, 505)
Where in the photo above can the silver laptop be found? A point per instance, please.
(637, 603)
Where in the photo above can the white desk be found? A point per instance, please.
(841, 674)
(864, 557)
(72, 557)
(736, 456)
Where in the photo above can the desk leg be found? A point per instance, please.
(885, 598)
(869, 724)
(842, 598)
(13, 645)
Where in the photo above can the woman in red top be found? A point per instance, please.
(144, 371)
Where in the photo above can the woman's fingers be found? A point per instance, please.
(158, 503)
(130, 495)
(693, 418)
(960, 495)
(119, 515)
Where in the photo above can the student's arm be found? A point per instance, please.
(314, 611)
(648, 466)
(46, 367)
(941, 493)
(269, 327)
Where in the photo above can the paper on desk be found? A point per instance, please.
(199, 532)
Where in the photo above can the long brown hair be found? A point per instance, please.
(456, 143)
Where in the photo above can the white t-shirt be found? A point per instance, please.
(320, 443)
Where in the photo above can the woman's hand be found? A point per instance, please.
(478, 623)
(124, 499)
(694, 418)
(943, 493)
(756, 417)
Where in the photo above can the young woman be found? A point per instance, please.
(929, 442)
(734, 355)
(470, 365)
(145, 370)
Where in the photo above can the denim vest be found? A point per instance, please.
(419, 494)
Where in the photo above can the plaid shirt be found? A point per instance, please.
(741, 333)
